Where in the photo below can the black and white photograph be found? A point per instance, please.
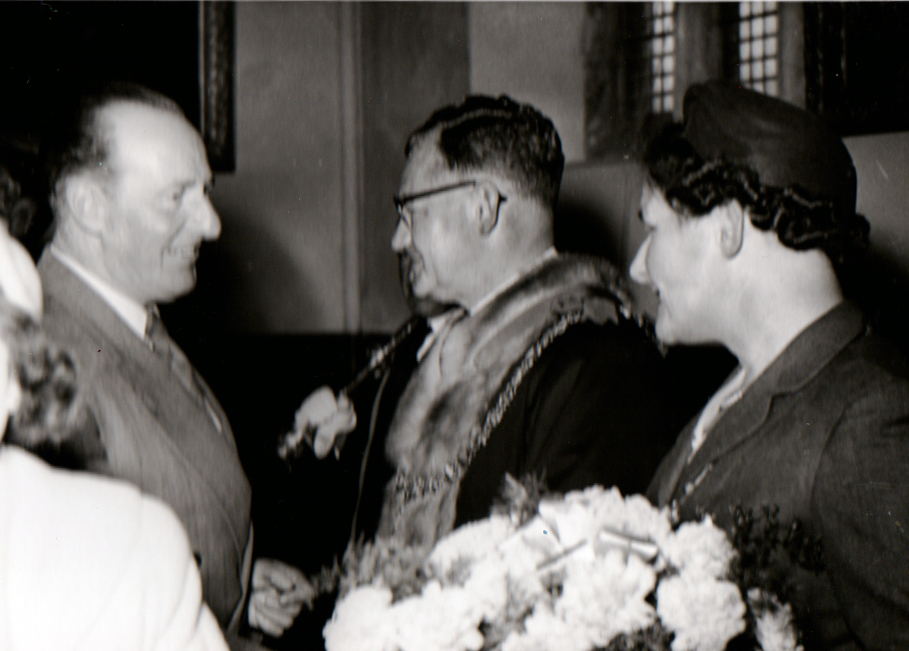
(454, 326)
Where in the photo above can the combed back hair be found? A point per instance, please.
(51, 421)
(694, 187)
(77, 142)
(502, 136)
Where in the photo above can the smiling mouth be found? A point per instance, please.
(186, 252)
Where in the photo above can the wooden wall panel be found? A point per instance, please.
(414, 59)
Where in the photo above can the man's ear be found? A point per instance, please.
(487, 207)
(86, 202)
(732, 226)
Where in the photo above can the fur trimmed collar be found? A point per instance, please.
(460, 390)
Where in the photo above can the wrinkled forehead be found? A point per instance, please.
(146, 138)
(651, 192)
(425, 165)
(655, 207)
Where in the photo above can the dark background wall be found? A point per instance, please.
(414, 59)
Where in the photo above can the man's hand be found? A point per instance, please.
(278, 593)
(329, 417)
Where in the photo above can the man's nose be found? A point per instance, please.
(207, 220)
(401, 239)
(638, 269)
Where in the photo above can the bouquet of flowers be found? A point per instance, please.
(590, 570)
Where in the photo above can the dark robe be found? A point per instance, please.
(594, 408)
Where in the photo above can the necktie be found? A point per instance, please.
(179, 364)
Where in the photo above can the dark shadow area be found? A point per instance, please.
(302, 510)
(50, 47)
(879, 284)
(580, 228)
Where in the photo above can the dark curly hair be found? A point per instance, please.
(51, 420)
(694, 187)
(501, 135)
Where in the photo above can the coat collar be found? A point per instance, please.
(469, 361)
(144, 372)
(63, 286)
(795, 367)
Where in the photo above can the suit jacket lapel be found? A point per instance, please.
(663, 485)
(801, 361)
(145, 372)
(736, 424)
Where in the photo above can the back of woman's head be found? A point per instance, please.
(41, 407)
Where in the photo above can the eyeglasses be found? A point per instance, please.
(402, 200)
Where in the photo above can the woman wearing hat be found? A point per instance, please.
(750, 207)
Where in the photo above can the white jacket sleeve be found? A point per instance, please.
(89, 563)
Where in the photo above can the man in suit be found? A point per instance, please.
(87, 562)
(750, 211)
(129, 180)
(535, 370)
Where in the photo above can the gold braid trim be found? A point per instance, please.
(419, 486)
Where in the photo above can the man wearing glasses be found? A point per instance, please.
(534, 371)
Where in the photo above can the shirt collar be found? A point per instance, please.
(129, 310)
(813, 348)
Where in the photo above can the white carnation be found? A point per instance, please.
(704, 614)
(773, 625)
(543, 631)
(362, 622)
(440, 619)
(488, 586)
(469, 542)
(607, 597)
(699, 548)
(581, 515)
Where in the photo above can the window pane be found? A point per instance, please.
(757, 44)
(757, 49)
(744, 51)
(657, 45)
(661, 49)
(744, 31)
(757, 27)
